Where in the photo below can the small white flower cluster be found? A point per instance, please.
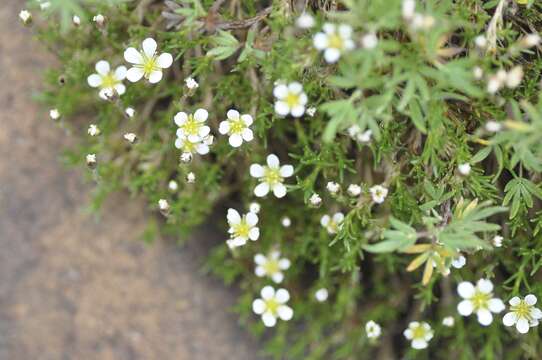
(511, 79)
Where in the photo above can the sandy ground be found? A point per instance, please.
(72, 287)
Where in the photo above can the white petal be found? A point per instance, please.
(282, 108)
(269, 320)
(465, 289)
(204, 131)
(102, 67)
(536, 313)
(277, 277)
(273, 161)
(155, 76)
(120, 89)
(256, 170)
(149, 47)
(260, 259)
(484, 317)
(279, 190)
(135, 74)
(332, 55)
(514, 301)
(325, 220)
(286, 171)
(329, 28)
(224, 127)
(179, 143)
(485, 286)
(282, 296)
(267, 292)
(419, 344)
(259, 271)
(465, 308)
(258, 306)
(261, 190)
(232, 114)
(320, 41)
(522, 325)
(295, 87)
(345, 31)
(338, 217)
(247, 135)
(235, 140)
(233, 217)
(280, 91)
(530, 299)
(408, 334)
(201, 115)
(252, 219)
(202, 148)
(94, 80)
(285, 312)
(133, 56)
(120, 73)
(164, 60)
(247, 119)
(298, 111)
(180, 118)
(496, 305)
(509, 319)
(254, 234)
(303, 98)
(284, 264)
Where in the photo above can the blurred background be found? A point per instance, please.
(73, 286)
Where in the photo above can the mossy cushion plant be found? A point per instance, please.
(381, 160)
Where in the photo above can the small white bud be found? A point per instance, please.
(130, 112)
(44, 4)
(190, 178)
(25, 16)
(93, 130)
(497, 241)
(493, 126)
(311, 111)
(185, 157)
(409, 6)
(54, 114)
(477, 72)
(514, 77)
(254, 207)
(494, 84)
(91, 160)
(315, 200)
(480, 41)
(448, 321)
(99, 20)
(286, 222)
(459, 262)
(365, 136)
(191, 84)
(353, 190)
(369, 41)
(130, 137)
(305, 21)
(333, 187)
(76, 20)
(163, 205)
(321, 295)
(173, 186)
(464, 169)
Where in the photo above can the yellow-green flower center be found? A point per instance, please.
(272, 306)
(292, 99)
(335, 41)
(191, 126)
(242, 229)
(418, 332)
(188, 147)
(271, 267)
(272, 176)
(237, 126)
(149, 65)
(522, 310)
(108, 81)
(480, 300)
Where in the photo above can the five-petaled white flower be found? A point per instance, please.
(271, 266)
(373, 330)
(419, 333)
(448, 321)
(147, 63)
(378, 193)
(334, 41)
(237, 127)
(271, 177)
(192, 127)
(290, 99)
(242, 228)
(321, 295)
(523, 313)
(272, 305)
(479, 299)
(107, 80)
(332, 224)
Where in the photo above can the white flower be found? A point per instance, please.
(378, 193)
(333, 187)
(163, 205)
(523, 313)
(147, 63)
(76, 20)
(173, 186)
(93, 130)
(480, 41)
(365, 136)
(497, 241)
(190, 178)
(315, 200)
(530, 40)
(479, 299)
(91, 160)
(286, 222)
(254, 207)
(54, 114)
(44, 4)
(321, 295)
(272, 305)
(373, 330)
(290, 99)
(514, 77)
(99, 19)
(448, 321)
(191, 84)
(130, 112)
(464, 169)
(271, 266)
(237, 128)
(408, 9)
(25, 16)
(242, 228)
(332, 224)
(311, 111)
(369, 41)
(353, 190)
(334, 41)
(130, 137)
(477, 72)
(192, 127)
(271, 177)
(459, 262)
(108, 80)
(419, 334)
(493, 126)
(305, 21)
